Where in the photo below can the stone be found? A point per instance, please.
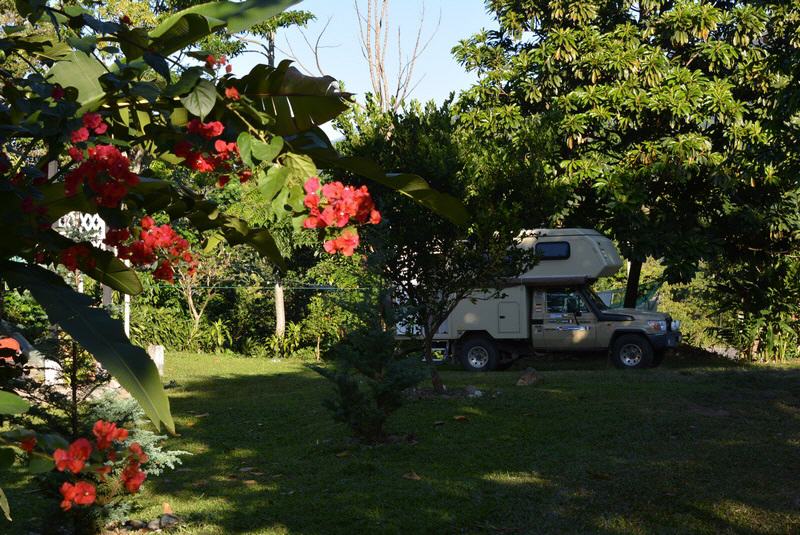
(52, 372)
(529, 377)
(154, 525)
(167, 521)
(156, 353)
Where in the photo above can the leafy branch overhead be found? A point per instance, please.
(95, 105)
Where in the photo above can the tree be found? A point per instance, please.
(430, 263)
(649, 99)
(374, 31)
(68, 119)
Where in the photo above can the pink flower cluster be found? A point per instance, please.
(337, 205)
(153, 244)
(208, 155)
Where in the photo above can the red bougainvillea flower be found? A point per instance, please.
(77, 256)
(126, 20)
(346, 243)
(75, 154)
(206, 130)
(133, 477)
(335, 205)
(81, 493)
(107, 172)
(106, 433)
(80, 135)
(74, 458)
(164, 272)
(57, 92)
(95, 123)
(27, 444)
(116, 236)
(155, 244)
(232, 93)
(212, 62)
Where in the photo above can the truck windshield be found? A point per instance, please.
(596, 299)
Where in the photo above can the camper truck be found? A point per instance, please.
(552, 307)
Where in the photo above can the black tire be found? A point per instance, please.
(632, 351)
(478, 354)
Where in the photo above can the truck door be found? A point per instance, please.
(568, 323)
(508, 317)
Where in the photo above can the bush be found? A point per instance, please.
(369, 380)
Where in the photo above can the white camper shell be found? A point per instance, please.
(552, 307)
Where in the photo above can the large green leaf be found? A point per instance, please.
(316, 144)
(4, 505)
(201, 100)
(192, 24)
(11, 403)
(98, 333)
(80, 71)
(297, 102)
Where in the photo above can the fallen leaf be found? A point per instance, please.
(437, 423)
(460, 418)
(412, 476)
(203, 415)
(344, 453)
(167, 508)
(598, 475)
(250, 482)
(257, 473)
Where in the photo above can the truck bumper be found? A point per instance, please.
(663, 341)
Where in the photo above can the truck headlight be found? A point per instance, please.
(658, 326)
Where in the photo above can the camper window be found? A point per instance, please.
(554, 250)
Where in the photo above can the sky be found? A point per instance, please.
(436, 72)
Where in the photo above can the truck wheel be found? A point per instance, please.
(632, 351)
(478, 355)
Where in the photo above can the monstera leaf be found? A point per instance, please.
(316, 144)
(297, 102)
(98, 333)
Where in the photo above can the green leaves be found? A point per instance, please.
(190, 25)
(11, 403)
(99, 334)
(296, 101)
(201, 100)
(80, 71)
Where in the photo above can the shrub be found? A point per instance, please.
(369, 380)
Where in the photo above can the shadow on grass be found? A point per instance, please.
(611, 452)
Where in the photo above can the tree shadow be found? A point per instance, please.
(593, 452)
(607, 452)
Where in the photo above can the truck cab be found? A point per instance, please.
(553, 308)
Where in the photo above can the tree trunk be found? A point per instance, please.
(632, 289)
(280, 311)
(319, 339)
(436, 379)
(271, 49)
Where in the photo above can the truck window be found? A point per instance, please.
(557, 301)
(598, 302)
(554, 250)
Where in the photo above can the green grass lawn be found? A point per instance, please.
(686, 448)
